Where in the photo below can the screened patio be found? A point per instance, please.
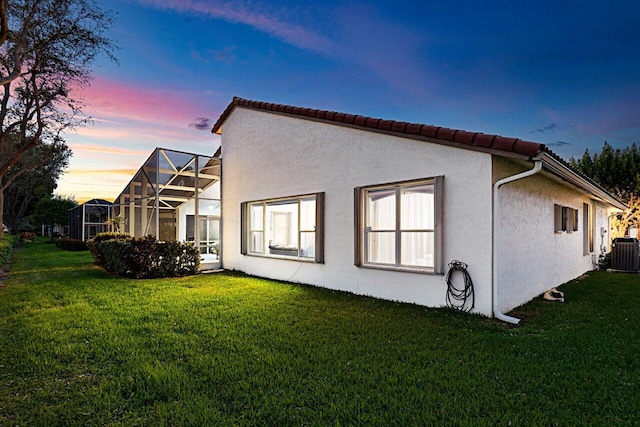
(175, 196)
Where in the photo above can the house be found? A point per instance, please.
(380, 207)
(89, 219)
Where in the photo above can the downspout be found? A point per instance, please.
(496, 227)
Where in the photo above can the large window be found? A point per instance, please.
(287, 227)
(399, 225)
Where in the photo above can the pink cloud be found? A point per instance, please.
(111, 100)
(107, 150)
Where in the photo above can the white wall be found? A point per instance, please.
(268, 155)
(532, 258)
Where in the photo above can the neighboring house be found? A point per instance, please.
(51, 230)
(380, 207)
(89, 219)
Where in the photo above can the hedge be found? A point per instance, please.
(68, 244)
(147, 258)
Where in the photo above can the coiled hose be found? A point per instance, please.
(459, 298)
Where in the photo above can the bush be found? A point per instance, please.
(94, 244)
(146, 258)
(27, 235)
(109, 235)
(6, 247)
(74, 245)
(113, 254)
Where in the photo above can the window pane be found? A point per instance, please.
(308, 244)
(191, 228)
(381, 247)
(308, 214)
(417, 249)
(257, 242)
(282, 225)
(255, 221)
(417, 208)
(381, 209)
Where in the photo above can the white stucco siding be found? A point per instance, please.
(267, 155)
(532, 258)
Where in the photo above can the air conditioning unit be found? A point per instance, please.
(625, 254)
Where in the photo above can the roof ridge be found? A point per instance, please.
(459, 137)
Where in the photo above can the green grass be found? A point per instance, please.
(82, 347)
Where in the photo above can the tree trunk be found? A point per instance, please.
(2, 209)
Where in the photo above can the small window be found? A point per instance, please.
(398, 225)
(565, 219)
(558, 219)
(287, 227)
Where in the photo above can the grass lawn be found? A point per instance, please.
(81, 347)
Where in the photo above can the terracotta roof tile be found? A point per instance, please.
(399, 126)
(483, 140)
(359, 120)
(385, 124)
(502, 143)
(429, 131)
(474, 140)
(446, 134)
(412, 129)
(371, 123)
(527, 148)
(464, 137)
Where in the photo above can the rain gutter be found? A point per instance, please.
(496, 227)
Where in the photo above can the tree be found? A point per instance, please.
(20, 197)
(46, 51)
(618, 171)
(53, 210)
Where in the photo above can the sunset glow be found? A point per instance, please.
(560, 74)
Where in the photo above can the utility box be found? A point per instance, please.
(625, 254)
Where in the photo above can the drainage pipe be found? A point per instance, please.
(496, 228)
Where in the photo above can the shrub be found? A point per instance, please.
(109, 235)
(27, 235)
(146, 258)
(113, 254)
(6, 247)
(94, 244)
(67, 244)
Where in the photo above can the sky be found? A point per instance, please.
(562, 73)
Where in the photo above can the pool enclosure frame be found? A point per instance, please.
(89, 219)
(165, 197)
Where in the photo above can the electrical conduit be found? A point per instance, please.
(496, 228)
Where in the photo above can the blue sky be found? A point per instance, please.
(564, 73)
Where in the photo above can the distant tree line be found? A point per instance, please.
(618, 171)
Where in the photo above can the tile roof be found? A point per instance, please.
(459, 138)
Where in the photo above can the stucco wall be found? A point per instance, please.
(269, 155)
(532, 258)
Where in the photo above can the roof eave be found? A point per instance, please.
(552, 165)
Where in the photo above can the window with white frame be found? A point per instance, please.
(399, 225)
(286, 227)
